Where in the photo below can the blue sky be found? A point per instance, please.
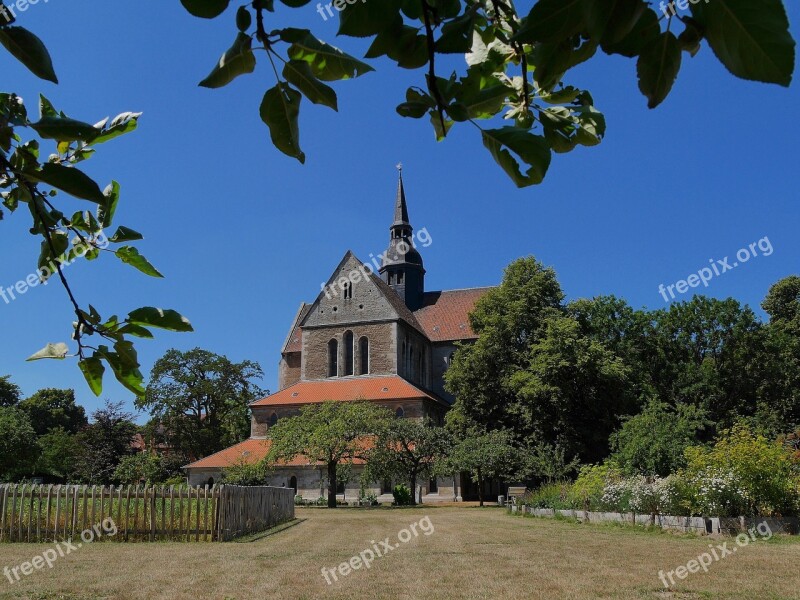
(244, 234)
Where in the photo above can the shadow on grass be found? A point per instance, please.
(247, 539)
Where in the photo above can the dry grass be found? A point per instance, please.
(473, 553)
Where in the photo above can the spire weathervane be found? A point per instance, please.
(400, 167)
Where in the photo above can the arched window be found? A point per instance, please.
(333, 358)
(399, 413)
(348, 290)
(273, 420)
(293, 484)
(210, 482)
(363, 351)
(349, 341)
(411, 365)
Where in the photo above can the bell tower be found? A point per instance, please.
(402, 267)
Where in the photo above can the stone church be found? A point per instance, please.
(373, 333)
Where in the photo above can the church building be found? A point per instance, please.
(373, 333)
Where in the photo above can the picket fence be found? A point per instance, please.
(39, 513)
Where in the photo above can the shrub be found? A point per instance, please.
(244, 473)
(554, 495)
(368, 499)
(743, 474)
(402, 495)
(298, 500)
(588, 490)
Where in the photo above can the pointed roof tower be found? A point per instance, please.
(400, 208)
(402, 267)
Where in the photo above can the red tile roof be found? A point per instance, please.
(390, 387)
(445, 315)
(250, 451)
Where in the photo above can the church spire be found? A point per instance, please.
(402, 265)
(400, 208)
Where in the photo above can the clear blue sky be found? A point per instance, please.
(244, 234)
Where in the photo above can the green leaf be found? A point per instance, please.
(123, 234)
(46, 108)
(457, 35)
(279, 110)
(70, 180)
(57, 351)
(93, 370)
(328, 63)
(532, 149)
(130, 255)
(29, 50)
(206, 9)
(243, 19)
(644, 33)
(610, 21)
(237, 60)
(64, 129)
(46, 256)
(364, 19)
(298, 73)
(122, 124)
(125, 365)
(551, 21)
(750, 37)
(658, 67)
(107, 208)
(136, 330)
(160, 318)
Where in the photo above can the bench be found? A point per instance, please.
(515, 492)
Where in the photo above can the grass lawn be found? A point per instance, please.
(472, 553)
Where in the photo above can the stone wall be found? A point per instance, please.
(440, 362)
(382, 349)
(289, 369)
(410, 368)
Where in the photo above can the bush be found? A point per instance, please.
(743, 474)
(402, 495)
(369, 499)
(245, 474)
(298, 500)
(588, 490)
(554, 495)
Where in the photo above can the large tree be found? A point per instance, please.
(201, 399)
(53, 409)
(653, 442)
(712, 355)
(330, 434)
(407, 450)
(508, 320)
(18, 447)
(485, 455)
(513, 87)
(10, 393)
(571, 393)
(104, 443)
(780, 390)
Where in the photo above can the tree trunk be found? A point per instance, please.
(480, 487)
(332, 484)
(413, 489)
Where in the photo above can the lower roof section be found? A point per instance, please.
(251, 451)
(390, 387)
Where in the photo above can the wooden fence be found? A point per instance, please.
(39, 513)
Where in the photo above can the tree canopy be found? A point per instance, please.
(54, 409)
(201, 400)
(330, 434)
